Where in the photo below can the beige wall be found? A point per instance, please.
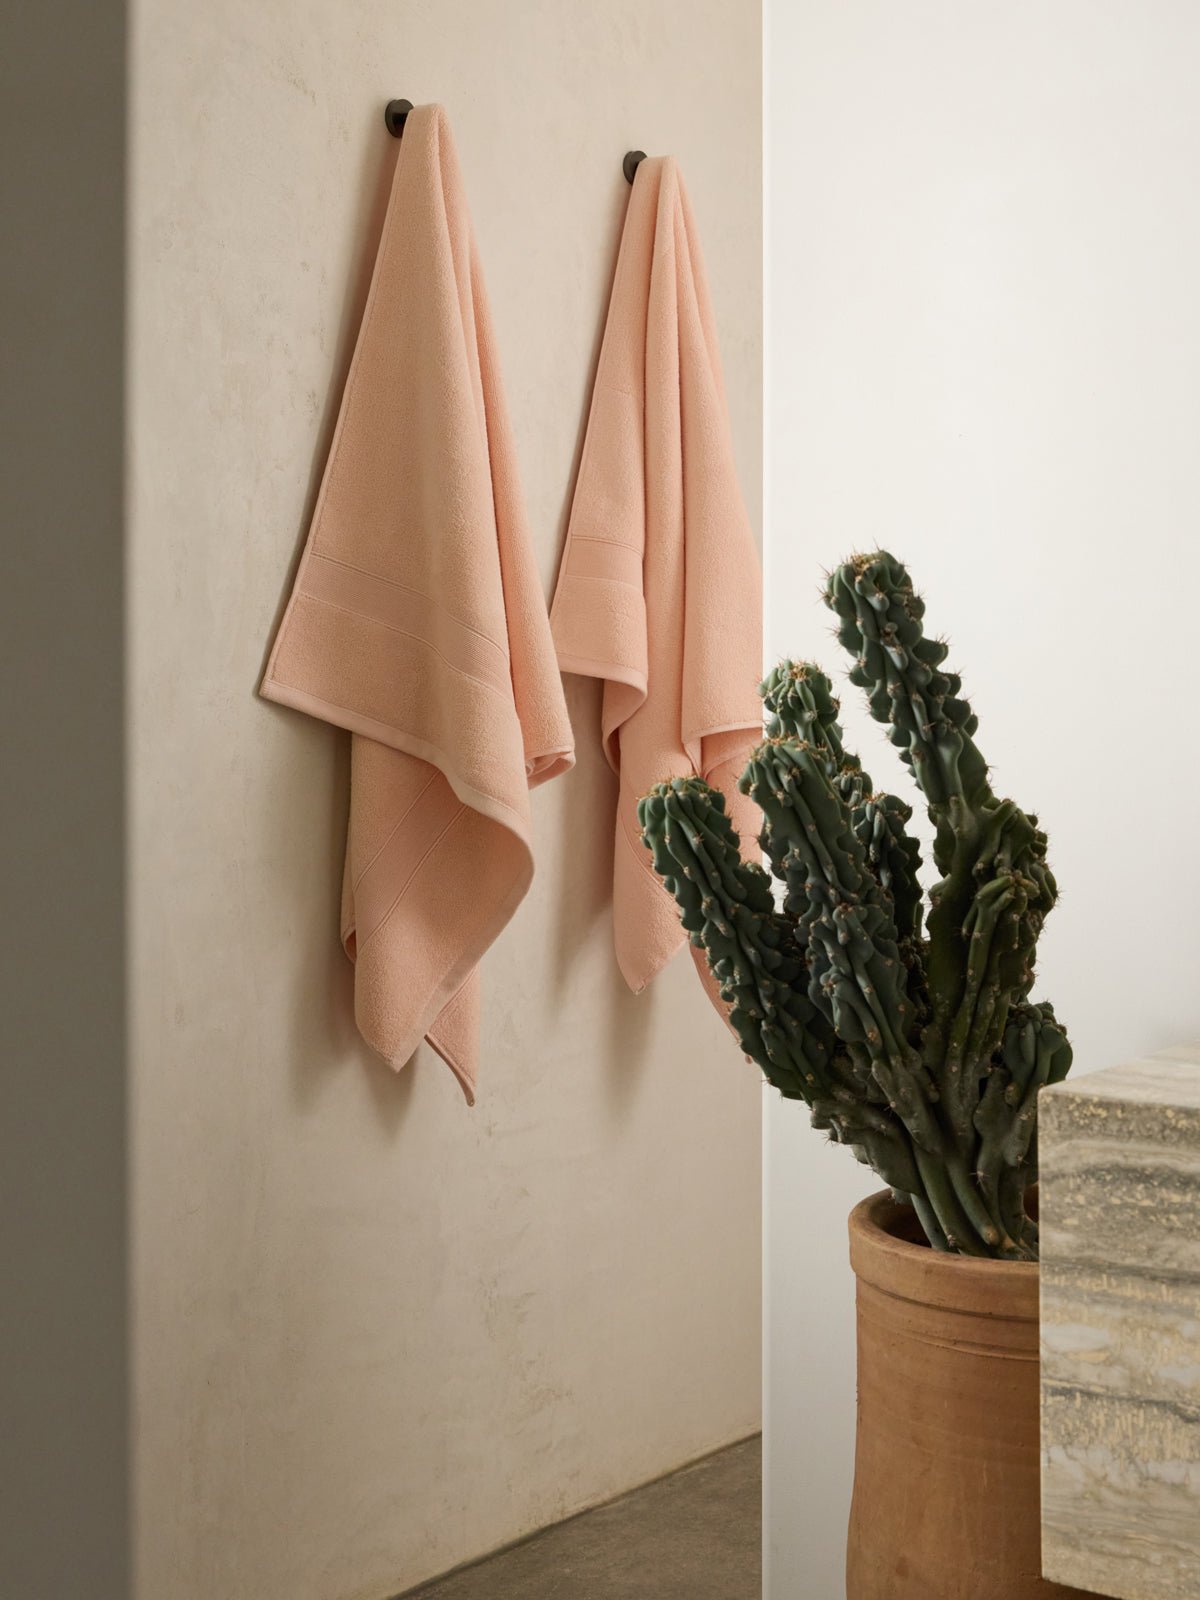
(377, 1333)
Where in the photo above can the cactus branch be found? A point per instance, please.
(908, 1031)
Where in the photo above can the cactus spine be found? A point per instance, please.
(909, 1034)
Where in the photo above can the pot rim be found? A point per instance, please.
(885, 1253)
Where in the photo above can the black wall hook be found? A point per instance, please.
(632, 161)
(395, 114)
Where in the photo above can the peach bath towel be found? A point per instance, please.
(418, 622)
(660, 589)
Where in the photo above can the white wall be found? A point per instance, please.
(984, 332)
(378, 1333)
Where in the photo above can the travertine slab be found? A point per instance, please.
(1120, 1242)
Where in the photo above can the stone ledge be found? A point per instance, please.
(1120, 1304)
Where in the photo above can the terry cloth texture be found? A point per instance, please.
(660, 589)
(418, 622)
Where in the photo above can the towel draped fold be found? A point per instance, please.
(659, 591)
(417, 621)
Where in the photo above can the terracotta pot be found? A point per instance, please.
(946, 1478)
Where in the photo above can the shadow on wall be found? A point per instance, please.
(579, 862)
(375, 187)
(583, 901)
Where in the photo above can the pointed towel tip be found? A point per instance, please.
(631, 163)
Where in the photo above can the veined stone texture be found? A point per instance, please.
(1120, 1283)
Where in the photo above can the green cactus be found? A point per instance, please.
(909, 1034)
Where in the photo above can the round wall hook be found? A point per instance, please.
(632, 161)
(394, 116)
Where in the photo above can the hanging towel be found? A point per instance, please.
(418, 622)
(660, 589)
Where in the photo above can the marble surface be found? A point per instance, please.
(1120, 1240)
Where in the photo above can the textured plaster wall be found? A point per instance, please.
(984, 335)
(377, 1333)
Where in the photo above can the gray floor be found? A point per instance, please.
(693, 1536)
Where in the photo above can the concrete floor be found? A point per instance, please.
(693, 1536)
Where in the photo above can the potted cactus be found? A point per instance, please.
(908, 1030)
